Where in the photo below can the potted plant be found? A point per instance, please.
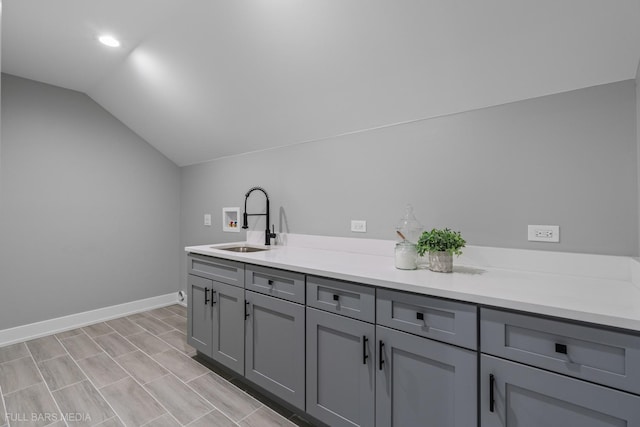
(441, 245)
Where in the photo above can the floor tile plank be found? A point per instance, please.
(113, 422)
(178, 309)
(60, 372)
(83, 404)
(18, 374)
(179, 341)
(148, 343)
(180, 365)
(178, 322)
(124, 326)
(81, 346)
(45, 348)
(164, 421)
(161, 313)
(71, 333)
(153, 325)
(232, 401)
(31, 407)
(265, 417)
(132, 403)
(182, 402)
(102, 370)
(214, 419)
(141, 367)
(13, 352)
(97, 330)
(115, 344)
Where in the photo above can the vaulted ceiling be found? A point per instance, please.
(203, 79)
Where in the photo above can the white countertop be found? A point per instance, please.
(604, 301)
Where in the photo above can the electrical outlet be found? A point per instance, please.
(358, 226)
(207, 219)
(544, 233)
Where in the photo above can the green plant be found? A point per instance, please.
(443, 240)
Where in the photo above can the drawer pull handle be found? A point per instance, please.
(336, 297)
(380, 355)
(270, 282)
(206, 296)
(246, 309)
(365, 356)
(213, 293)
(492, 400)
(420, 316)
(561, 348)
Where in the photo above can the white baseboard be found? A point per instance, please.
(73, 321)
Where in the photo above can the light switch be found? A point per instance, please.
(207, 219)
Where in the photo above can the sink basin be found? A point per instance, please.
(241, 248)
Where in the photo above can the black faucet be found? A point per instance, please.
(268, 235)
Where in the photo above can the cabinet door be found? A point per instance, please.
(513, 395)
(199, 321)
(228, 326)
(421, 382)
(275, 346)
(340, 369)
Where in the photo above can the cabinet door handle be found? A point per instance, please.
(492, 400)
(561, 348)
(365, 356)
(336, 297)
(246, 309)
(380, 355)
(206, 296)
(213, 294)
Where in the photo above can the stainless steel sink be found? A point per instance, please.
(242, 248)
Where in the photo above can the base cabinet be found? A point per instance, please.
(340, 369)
(274, 344)
(421, 382)
(215, 324)
(517, 395)
(199, 317)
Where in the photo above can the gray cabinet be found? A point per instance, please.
(199, 317)
(215, 321)
(274, 344)
(283, 284)
(421, 382)
(517, 395)
(340, 369)
(227, 346)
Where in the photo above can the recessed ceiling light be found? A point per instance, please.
(109, 41)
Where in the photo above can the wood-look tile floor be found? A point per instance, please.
(132, 371)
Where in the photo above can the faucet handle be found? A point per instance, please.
(273, 234)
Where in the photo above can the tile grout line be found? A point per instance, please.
(185, 383)
(211, 412)
(137, 382)
(10, 361)
(46, 385)
(4, 405)
(90, 381)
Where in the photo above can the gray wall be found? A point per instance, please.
(638, 130)
(567, 159)
(90, 212)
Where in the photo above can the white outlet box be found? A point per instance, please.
(358, 226)
(544, 233)
(207, 219)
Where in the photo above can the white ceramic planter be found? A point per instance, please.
(442, 262)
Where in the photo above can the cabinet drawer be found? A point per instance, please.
(222, 270)
(598, 355)
(347, 299)
(278, 283)
(447, 321)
